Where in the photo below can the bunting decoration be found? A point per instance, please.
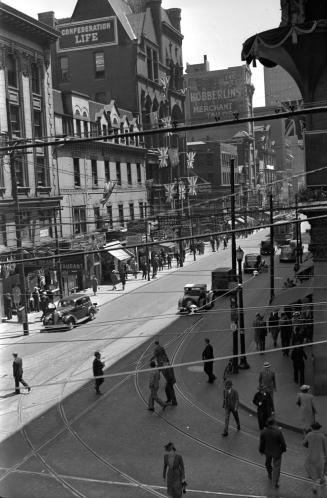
(163, 157)
(173, 156)
(107, 191)
(192, 180)
(170, 191)
(166, 123)
(164, 80)
(190, 159)
(182, 190)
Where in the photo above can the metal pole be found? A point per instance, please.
(146, 240)
(234, 325)
(14, 193)
(243, 362)
(232, 202)
(297, 231)
(272, 255)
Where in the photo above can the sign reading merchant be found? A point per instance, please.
(218, 94)
(85, 34)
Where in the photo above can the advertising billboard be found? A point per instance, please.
(90, 33)
(217, 94)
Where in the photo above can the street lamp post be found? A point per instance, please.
(243, 361)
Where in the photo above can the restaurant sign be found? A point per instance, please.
(85, 34)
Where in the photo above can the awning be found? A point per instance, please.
(168, 245)
(240, 220)
(120, 254)
(292, 295)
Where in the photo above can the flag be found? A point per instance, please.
(192, 180)
(170, 191)
(182, 190)
(190, 159)
(107, 191)
(164, 80)
(173, 156)
(163, 157)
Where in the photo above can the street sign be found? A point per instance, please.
(233, 326)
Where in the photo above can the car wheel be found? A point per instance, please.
(91, 315)
(70, 324)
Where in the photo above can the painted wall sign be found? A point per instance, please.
(85, 34)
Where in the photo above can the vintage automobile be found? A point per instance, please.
(196, 295)
(71, 310)
(265, 247)
(222, 280)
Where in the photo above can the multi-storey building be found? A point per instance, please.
(102, 182)
(147, 38)
(26, 114)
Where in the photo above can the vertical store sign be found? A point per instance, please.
(90, 33)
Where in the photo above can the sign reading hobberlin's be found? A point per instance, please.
(85, 34)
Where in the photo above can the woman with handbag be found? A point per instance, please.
(174, 471)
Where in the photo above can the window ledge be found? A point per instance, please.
(43, 189)
(23, 190)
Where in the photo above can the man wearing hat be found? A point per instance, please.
(307, 406)
(315, 464)
(267, 379)
(230, 404)
(98, 371)
(265, 406)
(18, 373)
(272, 444)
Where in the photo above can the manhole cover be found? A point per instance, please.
(195, 368)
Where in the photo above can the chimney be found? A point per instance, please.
(47, 18)
(175, 18)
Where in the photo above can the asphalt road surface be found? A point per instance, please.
(64, 441)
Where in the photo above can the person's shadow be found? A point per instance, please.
(8, 395)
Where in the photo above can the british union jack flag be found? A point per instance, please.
(163, 157)
(192, 185)
(170, 191)
(190, 159)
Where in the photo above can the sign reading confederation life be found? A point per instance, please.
(85, 34)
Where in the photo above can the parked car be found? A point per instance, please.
(197, 295)
(265, 247)
(222, 280)
(70, 311)
(252, 261)
(287, 253)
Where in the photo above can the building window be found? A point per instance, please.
(94, 167)
(67, 126)
(35, 76)
(109, 214)
(3, 230)
(12, 71)
(121, 214)
(149, 63)
(85, 129)
(25, 225)
(38, 128)
(79, 220)
(64, 68)
(118, 173)
(15, 123)
(99, 65)
(97, 218)
(77, 173)
(155, 66)
(20, 171)
(129, 174)
(46, 222)
(141, 209)
(131, 211)
(107, 171)
(78, 128)
(138, 172)
(40, 171)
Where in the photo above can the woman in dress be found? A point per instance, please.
(316, 442)
(174, 471)
(307, 406)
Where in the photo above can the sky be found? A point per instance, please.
(216, 28)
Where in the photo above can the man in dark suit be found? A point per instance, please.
(272, 444)
(98, 371)
(208, 365)
(230, 404)
(170, 378)
(159, 354)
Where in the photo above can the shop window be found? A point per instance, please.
(138, 172)
(94, 168)
(109, 215)
(35, 77)
(121, 214)
(131, 211)
(141, 209)
(38, 127)
(99, 65)
(77, 172)
(79, 220)
(64, 68)
(97, 218)
(129, 174)
(118, 173)
(107, 171)
(40, 171)
(12, 71)
(15, 121)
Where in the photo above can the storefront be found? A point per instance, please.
(72, 274)
(114, 257)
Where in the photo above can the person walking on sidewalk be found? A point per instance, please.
(305, 401)
(159, 354)
(94, 285)
(170, 378)
(98, 372)
(267, 379)
(154, 382)
(316, 461)
(8, 305)
(122, 276)
(273, 445)
(174, 472)
(169, 261)
(231, 401)
(274, 326)
(207, 354)
(36, 298)
(260, 332)
(265, 406)
(298, 356)
(114, 279)
(18, 373)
